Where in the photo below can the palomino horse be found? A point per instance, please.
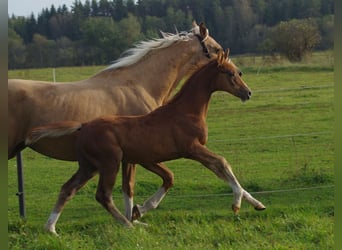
(176, 130)
(128, 87)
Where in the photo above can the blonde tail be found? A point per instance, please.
(52, 130)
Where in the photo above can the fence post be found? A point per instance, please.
(54, 75)
(20, 192)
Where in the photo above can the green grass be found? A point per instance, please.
(280, 145)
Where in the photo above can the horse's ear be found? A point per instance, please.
(203, 30)
(194, 24)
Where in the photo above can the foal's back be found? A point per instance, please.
(150, 138)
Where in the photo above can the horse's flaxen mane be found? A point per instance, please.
(136, 53)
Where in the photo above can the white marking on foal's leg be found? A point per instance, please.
(257, 204)
(51, 223)
(152, 202)
(128, 206)
(238, 194)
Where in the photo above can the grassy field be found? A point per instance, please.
(280, 145)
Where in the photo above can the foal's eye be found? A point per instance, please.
(240, 73)
(230, 73)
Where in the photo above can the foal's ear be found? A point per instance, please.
(226, 55)
(203, 30)
(220, 57)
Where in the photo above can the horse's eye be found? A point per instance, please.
(240, 73)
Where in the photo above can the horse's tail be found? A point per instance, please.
(52, 130)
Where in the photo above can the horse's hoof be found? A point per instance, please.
(135, 213)
(235, 209)
(260, 207)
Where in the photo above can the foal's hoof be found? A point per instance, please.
(135, 213)
(235, 209)
(50, 231)
(137, 222)
(260, 207)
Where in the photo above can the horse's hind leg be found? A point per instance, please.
(153, 202)
(107, 178)
(68, 190)
(128, 181)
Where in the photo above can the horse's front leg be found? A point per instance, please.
(153, 202)
(128, 182)
(222, 169)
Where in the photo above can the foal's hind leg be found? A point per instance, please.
(128, 181)
(108, 172)
(222, 169)
(68, 190)
(153, 202)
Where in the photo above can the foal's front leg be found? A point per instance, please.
(222, 169)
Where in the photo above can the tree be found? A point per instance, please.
(119, 11)
(295, 38)
(326, 26)
(41, 52)
(242, 25)
(177, 18)
(65, 52)
(154, 25)
(130, 30)
(16, 50)
(101, 38)
(60, 25)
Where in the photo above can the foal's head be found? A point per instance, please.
(229, 78)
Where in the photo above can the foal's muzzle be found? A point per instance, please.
(245, 95)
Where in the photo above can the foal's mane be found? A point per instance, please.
(135, 54)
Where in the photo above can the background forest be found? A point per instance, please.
(95, 32)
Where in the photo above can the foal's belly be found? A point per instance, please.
(153, 149)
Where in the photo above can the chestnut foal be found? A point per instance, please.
(176, 130)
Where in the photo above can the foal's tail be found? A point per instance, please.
(52, 130)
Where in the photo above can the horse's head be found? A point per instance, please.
(209, 45)
(229, 78)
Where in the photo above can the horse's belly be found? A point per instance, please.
(61, 148)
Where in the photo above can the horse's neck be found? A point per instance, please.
(159, 72)
(195, 95)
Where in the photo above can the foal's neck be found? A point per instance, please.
(195, 94)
